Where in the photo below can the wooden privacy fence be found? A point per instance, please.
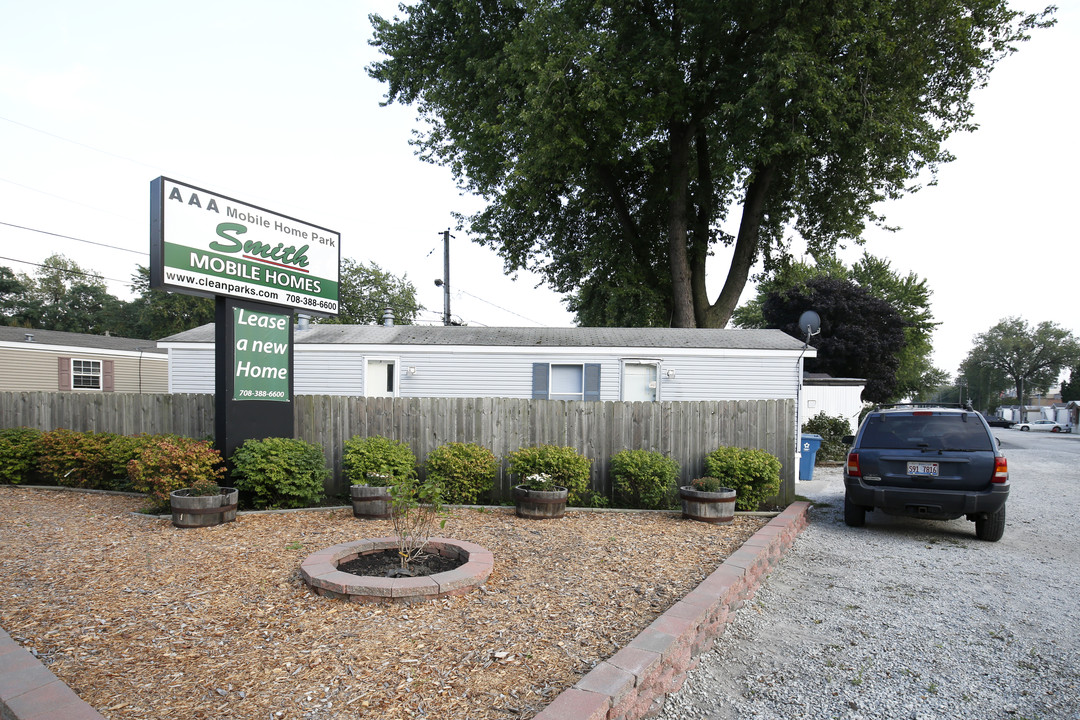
(685, 431)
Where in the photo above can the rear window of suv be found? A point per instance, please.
(931, 432)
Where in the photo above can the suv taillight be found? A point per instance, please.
(853, 465)
(1001, 470)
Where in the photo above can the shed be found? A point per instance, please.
(54, 361)
(835, 397)
(609, 364)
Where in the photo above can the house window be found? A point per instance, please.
(85, 374)
(560, 381)
(567, 382)
(640, 381)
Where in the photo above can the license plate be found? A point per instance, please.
(915, 468)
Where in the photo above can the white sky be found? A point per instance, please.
(268, 102)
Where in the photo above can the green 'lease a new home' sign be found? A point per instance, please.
(261, 367)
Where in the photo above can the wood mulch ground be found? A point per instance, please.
(143, 620)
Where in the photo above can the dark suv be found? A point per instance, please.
(925, 461)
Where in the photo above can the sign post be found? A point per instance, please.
(259, 266)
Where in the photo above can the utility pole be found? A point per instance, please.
(445, 282)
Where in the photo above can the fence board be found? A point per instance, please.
(685, 431)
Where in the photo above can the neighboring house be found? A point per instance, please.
(629, 364)
(51, 361)
(836, 397)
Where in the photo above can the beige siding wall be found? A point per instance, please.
(35, 369)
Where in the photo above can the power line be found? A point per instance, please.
(76, 142)
(96, 276)
(69, 237)
(500, 307)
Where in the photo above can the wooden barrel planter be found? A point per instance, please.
(717, 508)
(195, 511)
(370, 501)
(540, 504)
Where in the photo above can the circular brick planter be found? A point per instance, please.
(320, 571)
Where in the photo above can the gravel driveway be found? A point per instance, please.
(911, 618)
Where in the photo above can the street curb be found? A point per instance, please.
(635, 682)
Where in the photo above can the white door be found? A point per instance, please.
(381, 378)
(639, 382)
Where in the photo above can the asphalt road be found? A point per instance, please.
(914, 619)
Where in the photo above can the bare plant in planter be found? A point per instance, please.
(417, 509)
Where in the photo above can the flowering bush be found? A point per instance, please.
(539, 481)
(565, 466)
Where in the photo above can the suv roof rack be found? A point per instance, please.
(959, 406)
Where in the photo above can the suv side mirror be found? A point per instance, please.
(848, 439)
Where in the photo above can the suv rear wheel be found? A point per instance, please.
(992, 527)
(854, 515)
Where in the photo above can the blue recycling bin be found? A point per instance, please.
(810, 444)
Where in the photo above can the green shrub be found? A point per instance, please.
(644, 479)
(165, 463)
(466, 471)
(754, 475)
(832, 430)
(377, 460)
(97, 461)
(20, 449)
(280, 472)
(564, 465)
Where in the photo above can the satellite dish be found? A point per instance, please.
(810, 323)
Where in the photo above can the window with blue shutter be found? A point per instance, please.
(564, 381)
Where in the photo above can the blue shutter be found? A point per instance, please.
(592, 382)
(540, 380)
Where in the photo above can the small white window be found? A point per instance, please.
(85, 374)
(567, 382)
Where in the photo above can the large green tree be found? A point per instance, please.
(860, 336)
(61, 295)
(907, 294)
(155, 313)
(1032, 357)
(611, 140)
(366, 290)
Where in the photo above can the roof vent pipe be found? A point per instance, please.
(388, 317)
(29, 337)
(302, 322)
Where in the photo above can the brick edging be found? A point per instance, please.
(634, 682)
(29, 690)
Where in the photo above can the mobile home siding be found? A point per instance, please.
(36, 369)
(494, 373)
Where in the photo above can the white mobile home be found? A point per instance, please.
(628, 364)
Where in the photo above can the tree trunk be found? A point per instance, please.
(679, 137)
(719, 313)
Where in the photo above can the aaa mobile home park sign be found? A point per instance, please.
(203, 243)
